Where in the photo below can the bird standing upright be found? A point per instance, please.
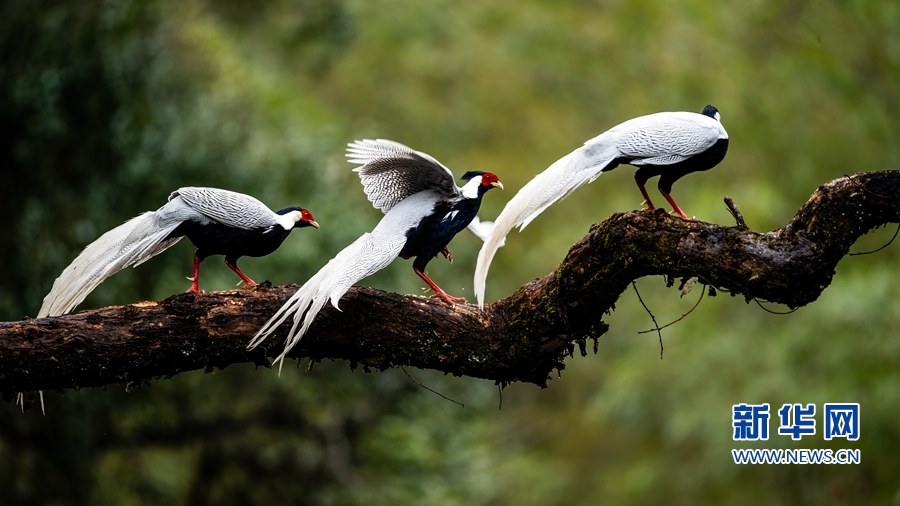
(666, 144)
(424, 209)
(218, 222)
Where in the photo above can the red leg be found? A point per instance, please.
(447, 254)
(644, 193)
(248, 281)
(437, 289)
(195, 281)
(674, 205)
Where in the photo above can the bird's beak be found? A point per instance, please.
(497, 184)
(313, 223)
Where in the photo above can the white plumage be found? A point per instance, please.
(393, 172)
(367, 255)
(409, 187)
(390, 172)
(669, 144)
(226, 207)
(145, 236)
(482, 229)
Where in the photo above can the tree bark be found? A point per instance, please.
(520, 338)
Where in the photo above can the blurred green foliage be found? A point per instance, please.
(109, 106)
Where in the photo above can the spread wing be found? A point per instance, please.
(226, 207)
(391, 172)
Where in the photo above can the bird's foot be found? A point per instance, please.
(447, 254)
(675, 206)
(244, 278)
(680, 213)
(449, 298)
(195, 285)
(437, 290)
(248, 283)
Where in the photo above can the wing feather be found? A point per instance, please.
(391, 172)
(667, 138)
(227, 207)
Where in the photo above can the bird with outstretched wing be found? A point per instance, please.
(423, 210)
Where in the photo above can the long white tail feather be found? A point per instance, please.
(557, 182)
(132, 243)
(364, 257)
(157, 248)
(367, 255)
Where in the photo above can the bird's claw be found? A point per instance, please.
(450, 299)
(195, 287)
(447, 254)
(650, 206)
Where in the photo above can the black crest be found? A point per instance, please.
(287, 210)
(472, 173)
(710, 111)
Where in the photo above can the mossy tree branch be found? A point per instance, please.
(520, 338)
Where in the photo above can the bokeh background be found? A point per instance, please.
(107, 106)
